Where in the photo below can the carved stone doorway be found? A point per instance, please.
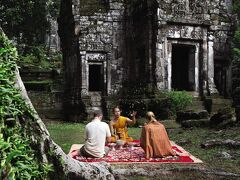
(96, 77)
(95, 84)
(184, 67)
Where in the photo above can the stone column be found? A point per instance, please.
(108, 73)
(204, 63)
(159, 71)
(210, 70)
(84, 62)
(169, 65)
(196, 70)
(160, 51)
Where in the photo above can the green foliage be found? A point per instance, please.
(142, 98)
(236, 52)
(27, 23)
(236, 48)
(129, 105)
(25, 20)
(53, 8)
(134, 97)
(39, 57)
(137, 89)
(237, 35)
(179, 100)
(236, 7)
(166, 104)
(17, 157)
(162, 108)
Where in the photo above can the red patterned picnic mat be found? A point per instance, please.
(136, 155)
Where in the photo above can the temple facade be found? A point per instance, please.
(171, 44)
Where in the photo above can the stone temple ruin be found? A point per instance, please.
(173, 44)
(170, 44)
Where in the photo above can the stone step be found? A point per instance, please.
(193, 94)
(196, 105)
(187, 115)
(195, 123)
(222, 101)
(216, 103)
(195, 108)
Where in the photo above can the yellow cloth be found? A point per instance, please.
(120, 130)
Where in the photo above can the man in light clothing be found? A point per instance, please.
(96, 135)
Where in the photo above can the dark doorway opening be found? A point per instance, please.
(220, 75)
(95, 77)
(183, 67)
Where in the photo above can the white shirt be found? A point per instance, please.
(95, 135)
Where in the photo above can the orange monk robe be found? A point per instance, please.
(155, 142)
(120, 130)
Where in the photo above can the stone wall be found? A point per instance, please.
(101, 42)
(133, 40)
(205, 26)
(45, 89)
(137, 41)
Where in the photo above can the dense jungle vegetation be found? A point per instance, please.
(26, 23)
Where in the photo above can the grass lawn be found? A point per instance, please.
(66, 134)
(195, 137)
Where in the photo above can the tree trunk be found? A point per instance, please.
(72, 105)
(48, 151)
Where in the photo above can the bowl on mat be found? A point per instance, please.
(120, 143)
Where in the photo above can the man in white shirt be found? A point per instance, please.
(96, 135)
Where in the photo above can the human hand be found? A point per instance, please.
(115, 136)
(133, 113)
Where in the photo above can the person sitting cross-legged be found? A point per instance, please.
(154, 139)
(96, 135)
(118, 126)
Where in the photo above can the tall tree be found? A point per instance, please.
(25, 20)
(73, 105)
(22, 113)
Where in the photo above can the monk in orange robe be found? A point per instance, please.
(118, 126)
(154, 139)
